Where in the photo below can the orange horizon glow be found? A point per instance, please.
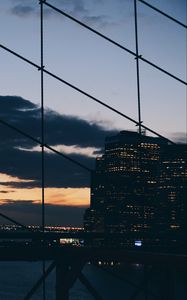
(56, 196)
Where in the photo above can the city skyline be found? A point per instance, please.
(138, 190)
(118, 87)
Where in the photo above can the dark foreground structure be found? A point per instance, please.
(159, 269)
(139, 188)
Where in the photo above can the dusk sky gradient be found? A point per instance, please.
(73, 123)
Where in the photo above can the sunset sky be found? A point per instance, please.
(73, 123)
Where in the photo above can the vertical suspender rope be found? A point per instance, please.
(186, 73)
(42, 135)
(137, 67)
(42, 115)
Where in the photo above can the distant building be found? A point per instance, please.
(172, 196)
(138, 189)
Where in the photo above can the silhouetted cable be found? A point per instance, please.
(163, 13)
(186, 74)
(15, 222)
(45, 145)
(90, 287)
(40, 281)
(107, 106)
(42, 137)
(68, 158)
(88, 95)
(113, 42)
(20, 56)
(137, 66)
(42, 114)
(89, 28)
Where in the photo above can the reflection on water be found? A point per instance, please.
(112, 282)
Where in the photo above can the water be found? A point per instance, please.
(17, 278)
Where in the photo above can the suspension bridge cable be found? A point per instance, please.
(107, 106)
(114, 43)
(163, 13)
(186, 74)
(42, 113)
(39, 282)
(14, 221)
(137, 65)
(42, 138)
(88, 95)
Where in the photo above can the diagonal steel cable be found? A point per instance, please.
(163, 13)
(86, 94)
(113, 42)
(137, 65)
(40, 281)
(14, 221)
(96, 295)
(45, 145)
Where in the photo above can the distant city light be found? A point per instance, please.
(138, 243)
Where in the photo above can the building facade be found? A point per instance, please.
(138, 192)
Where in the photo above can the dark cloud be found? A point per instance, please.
(17, 202)
(29, 212)
(22, 10)
(83, 10)
(58, 171)
(59, 129)
(77, 8)
(29, 8)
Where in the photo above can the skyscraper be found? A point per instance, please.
(137, 189)
(172, 196)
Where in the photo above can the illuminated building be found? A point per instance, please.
(172, 194)
(133, 189)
